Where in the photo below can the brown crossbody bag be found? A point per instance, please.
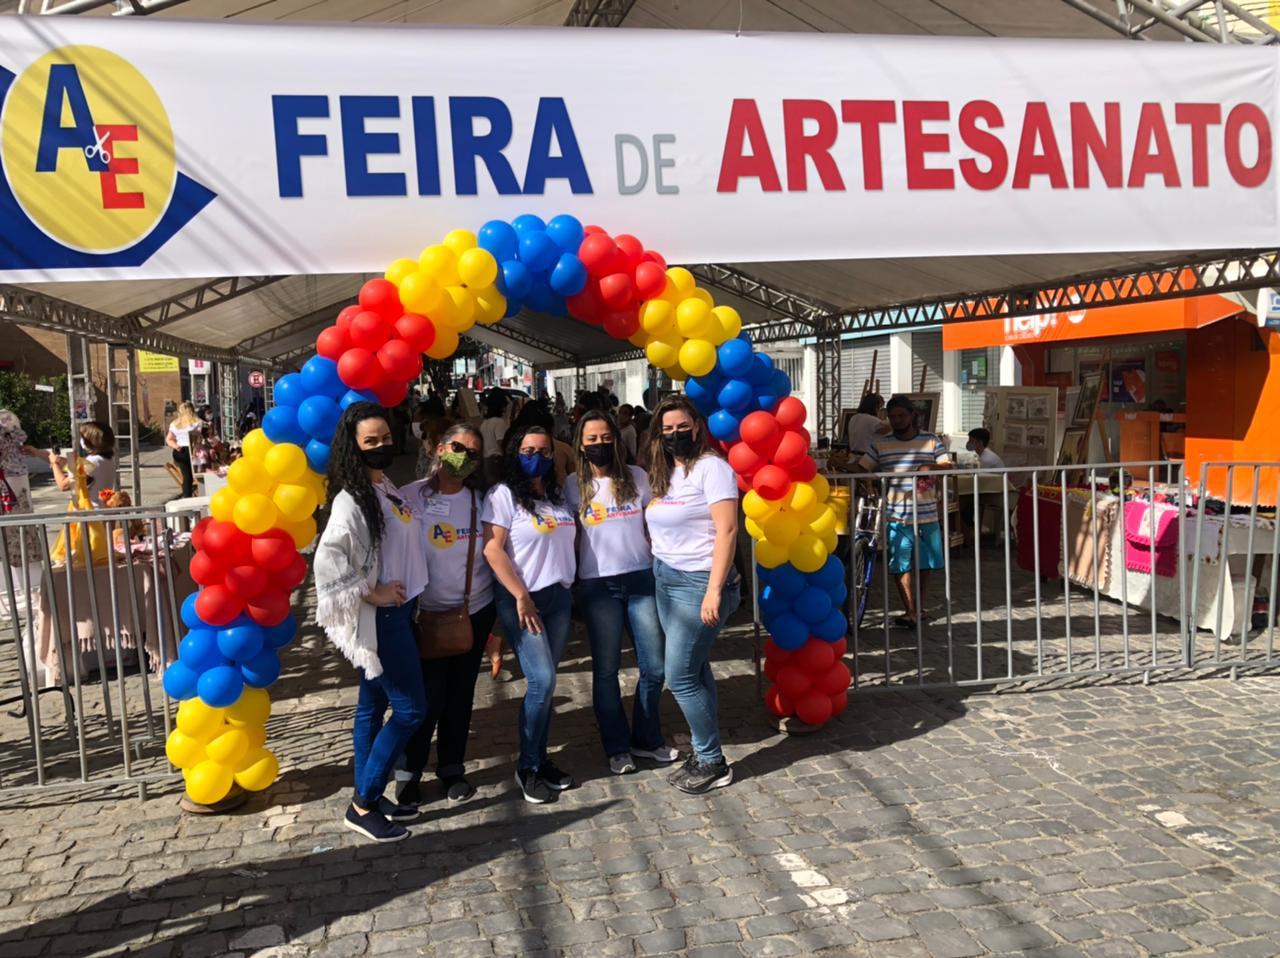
(442, 634)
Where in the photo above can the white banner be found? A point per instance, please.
(155, 149)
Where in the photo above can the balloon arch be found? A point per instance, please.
(247, 561)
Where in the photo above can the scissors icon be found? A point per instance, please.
(98, 149)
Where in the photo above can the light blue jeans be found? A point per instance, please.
(689, 641)
(539, 656)
(610, 604)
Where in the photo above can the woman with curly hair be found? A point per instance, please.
(529, 543)
(370, 567)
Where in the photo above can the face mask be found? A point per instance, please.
(458, 464)
(379, 457)
(601, 454)
(417, 430)
(535, 466)
(679, 444)
(969, 447)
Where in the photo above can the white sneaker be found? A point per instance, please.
(622, 764)
(663, 754)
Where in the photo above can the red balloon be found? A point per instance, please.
(391, 393)
(622, 324)
(651, 280)
(293, 574)
(270, 608)
(197, 532)
(381, 296)
(652, 256)
(839, 703)
(206, 569)
(225, 542)
(792, 681)
(744, 484)
(834, 680)
(418, 331)
(358, 369)
(368, 330)
(760, 429)
(332, 343)
(805, 470)
(814, 708)
(399, 360)
(597, 252)
(771, 482)
(631, 248)
(814, 657)
(778, 703)
(771, 669)
(617, 290)
(273, 550)
(790, 413)
(218, 605)
(591, 228)
(745, 460)
(776, 652)
(247, 581)
(792, 447)
(345, 315)
(839, 647)
(586, 305)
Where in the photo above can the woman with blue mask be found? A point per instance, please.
(529, 543)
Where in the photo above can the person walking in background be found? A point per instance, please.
(627, 433)
(460, 581)
(615, 572)
(867, 423)
(184, 433)
(494, 430)
(370, 567)
(529, 543)
(693, 523)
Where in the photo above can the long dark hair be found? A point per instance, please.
(347, 470)
(624, 485)
(513, 476)
(660, 462)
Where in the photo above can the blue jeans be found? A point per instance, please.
(378, 746)
(539, 656)
(689, 642)
(609, 604)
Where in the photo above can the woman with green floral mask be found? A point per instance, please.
(449, 500)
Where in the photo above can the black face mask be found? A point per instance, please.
(601, 454)
(679, 444)
(379, 457)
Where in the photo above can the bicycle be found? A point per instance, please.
(863, 545)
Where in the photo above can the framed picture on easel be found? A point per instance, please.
(926, 410)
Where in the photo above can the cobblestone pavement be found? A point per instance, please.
(1102, 819)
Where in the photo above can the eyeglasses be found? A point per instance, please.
(472, 454)
(544, 453)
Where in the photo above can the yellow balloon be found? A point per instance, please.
(639, 338)
(398, 270)
(222, 504)
(769, 555)
(256, 734)
(821, 488)
(829, 542)
(183, 750)
(255, 514)
(782, 528)
(807, 553)
(208, 783)
(477, 267)
(420, 293)
(802, 498)
(446, 344)
(257, 770)
(682, 279)
(198, 720)
(228, 748)
(753, 528)
(248, 475)
(285, 462)
(697, 357)
(253, 707)
(317, 484)
(460, 241)
(703, 295)
(730, 321)
(457, 311)
(757, 506)
(675, 373)
(662, 353)
(658, 318)
(294, 501)
(441, 264)
(694, 318)
(825, 522)
(256, 445)
(303, 532)
(491, 306)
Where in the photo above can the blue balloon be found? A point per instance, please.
(527, 222)
(281, 425)
(241, 643)
(498, 238)
(261, 670)
(735, 395)
(179, 681)
(537, 251)
(777, 389)
(282, 633)
(320, 377)
(220, 686)
(723, 425)
(318, 416)
(788, 580)
(566, 232)
(543, 300)
(569, 277)
(772, 604)
(199, 650)
(513, 307)
(734, 358)
(514, 279)
(812, 606)
(838, 594)
(354, 396)
(833, 628)
(761, 369)
(829, 576)
(318, 456)
(190, 618)
(701, 396)
(289, 390)
(789, 632)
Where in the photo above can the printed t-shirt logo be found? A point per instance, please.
(443, 535)
(544, 524)
(596, 514)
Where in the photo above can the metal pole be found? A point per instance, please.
(28, 681)
(1035, 563)
(946, 573)
(1124, 576)
(977, 570)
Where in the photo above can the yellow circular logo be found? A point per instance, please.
(595, 515)
(544, 524)
(443, 535)
(88, 149)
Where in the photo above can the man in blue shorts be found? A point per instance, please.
(908, 449)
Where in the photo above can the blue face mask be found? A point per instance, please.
(535, 465)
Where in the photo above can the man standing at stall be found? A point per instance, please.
(910, 503)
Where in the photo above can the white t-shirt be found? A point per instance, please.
(540, 545)
(104, 477)
(493, 431)
(447, 522)
(182, 433)
(612, 539)
(989, 460)
(862, 430)
(680, 523)
(402, 556)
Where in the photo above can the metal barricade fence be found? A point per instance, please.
(90, 637)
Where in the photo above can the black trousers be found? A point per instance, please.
(182, 457)
(451, 688)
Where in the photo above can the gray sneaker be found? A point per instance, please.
(621, 764)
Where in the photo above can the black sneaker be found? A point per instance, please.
(699, 777)
(410, 793)
(457, 789)
(554, 777)
(394, 812)
(536, 791)
(374, 826)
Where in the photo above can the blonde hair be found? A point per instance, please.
(187, 416)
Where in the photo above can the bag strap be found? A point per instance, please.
(471, 555)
